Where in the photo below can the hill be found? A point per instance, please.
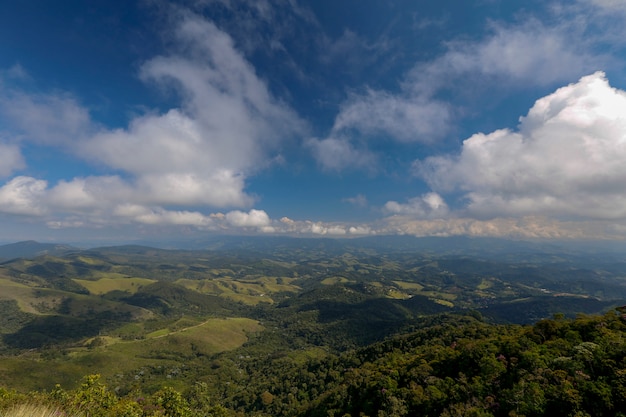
(32, 249)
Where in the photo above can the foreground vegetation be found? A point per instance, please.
(450, 366)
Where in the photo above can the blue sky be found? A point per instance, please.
(124, 120)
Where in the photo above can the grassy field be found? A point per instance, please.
(405, 285)
(335, 281)
(50, 301)
(32, 373)
(486, 283)
(120, 283)
(301, 357)
(250, 291)
(114, 357)
(395, 294)
(443, 302)
(29, 300)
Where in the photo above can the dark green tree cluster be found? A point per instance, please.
(462, 367)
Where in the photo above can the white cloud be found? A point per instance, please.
(51, 119)
(189, 171)
(319, 228)
(217, 189)
(528, 54)
(254, 218)
(307, 227)
(361, 230)
(379, 115)
(609, 6)
(566, 159)
(88, 201)
(16, 72)
(65, 224)
(88, 194)
(159, 216)
(510, 56)
(11, 159)
(227, 127)
(22, 196)
(336, 154)
(530, 227)
(404, 118)
(359, 200)
(430, 205)
(201, 153)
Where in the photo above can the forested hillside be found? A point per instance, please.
(450, 366)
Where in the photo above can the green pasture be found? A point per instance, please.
(208, 337)
(113, 283)
(114, 357)
(406, 285)
(335, 280)
(250, 291)
(395, 294)
(485, 284)
(32, 300)
(301, 357)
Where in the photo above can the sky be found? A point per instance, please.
(152, 119)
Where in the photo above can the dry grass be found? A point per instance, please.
(34, 410)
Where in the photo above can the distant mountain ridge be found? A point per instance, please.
(32, 249)
(538, 251)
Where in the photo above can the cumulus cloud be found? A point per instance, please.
(160, 216)
(530, 227)
(512, 55)
(609, 6)
(404, 118)
(361, 230)
(95, 200)
(51, 119)
(379, 115)
(227, 127)
(253, 218)
(430, 205)
(319, 228)
(336, 154)
(527, 54)
(308, 227)
(11, 159)
(83, 195)
(23, 196)
(565, 159)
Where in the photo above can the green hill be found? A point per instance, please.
(31, 249)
